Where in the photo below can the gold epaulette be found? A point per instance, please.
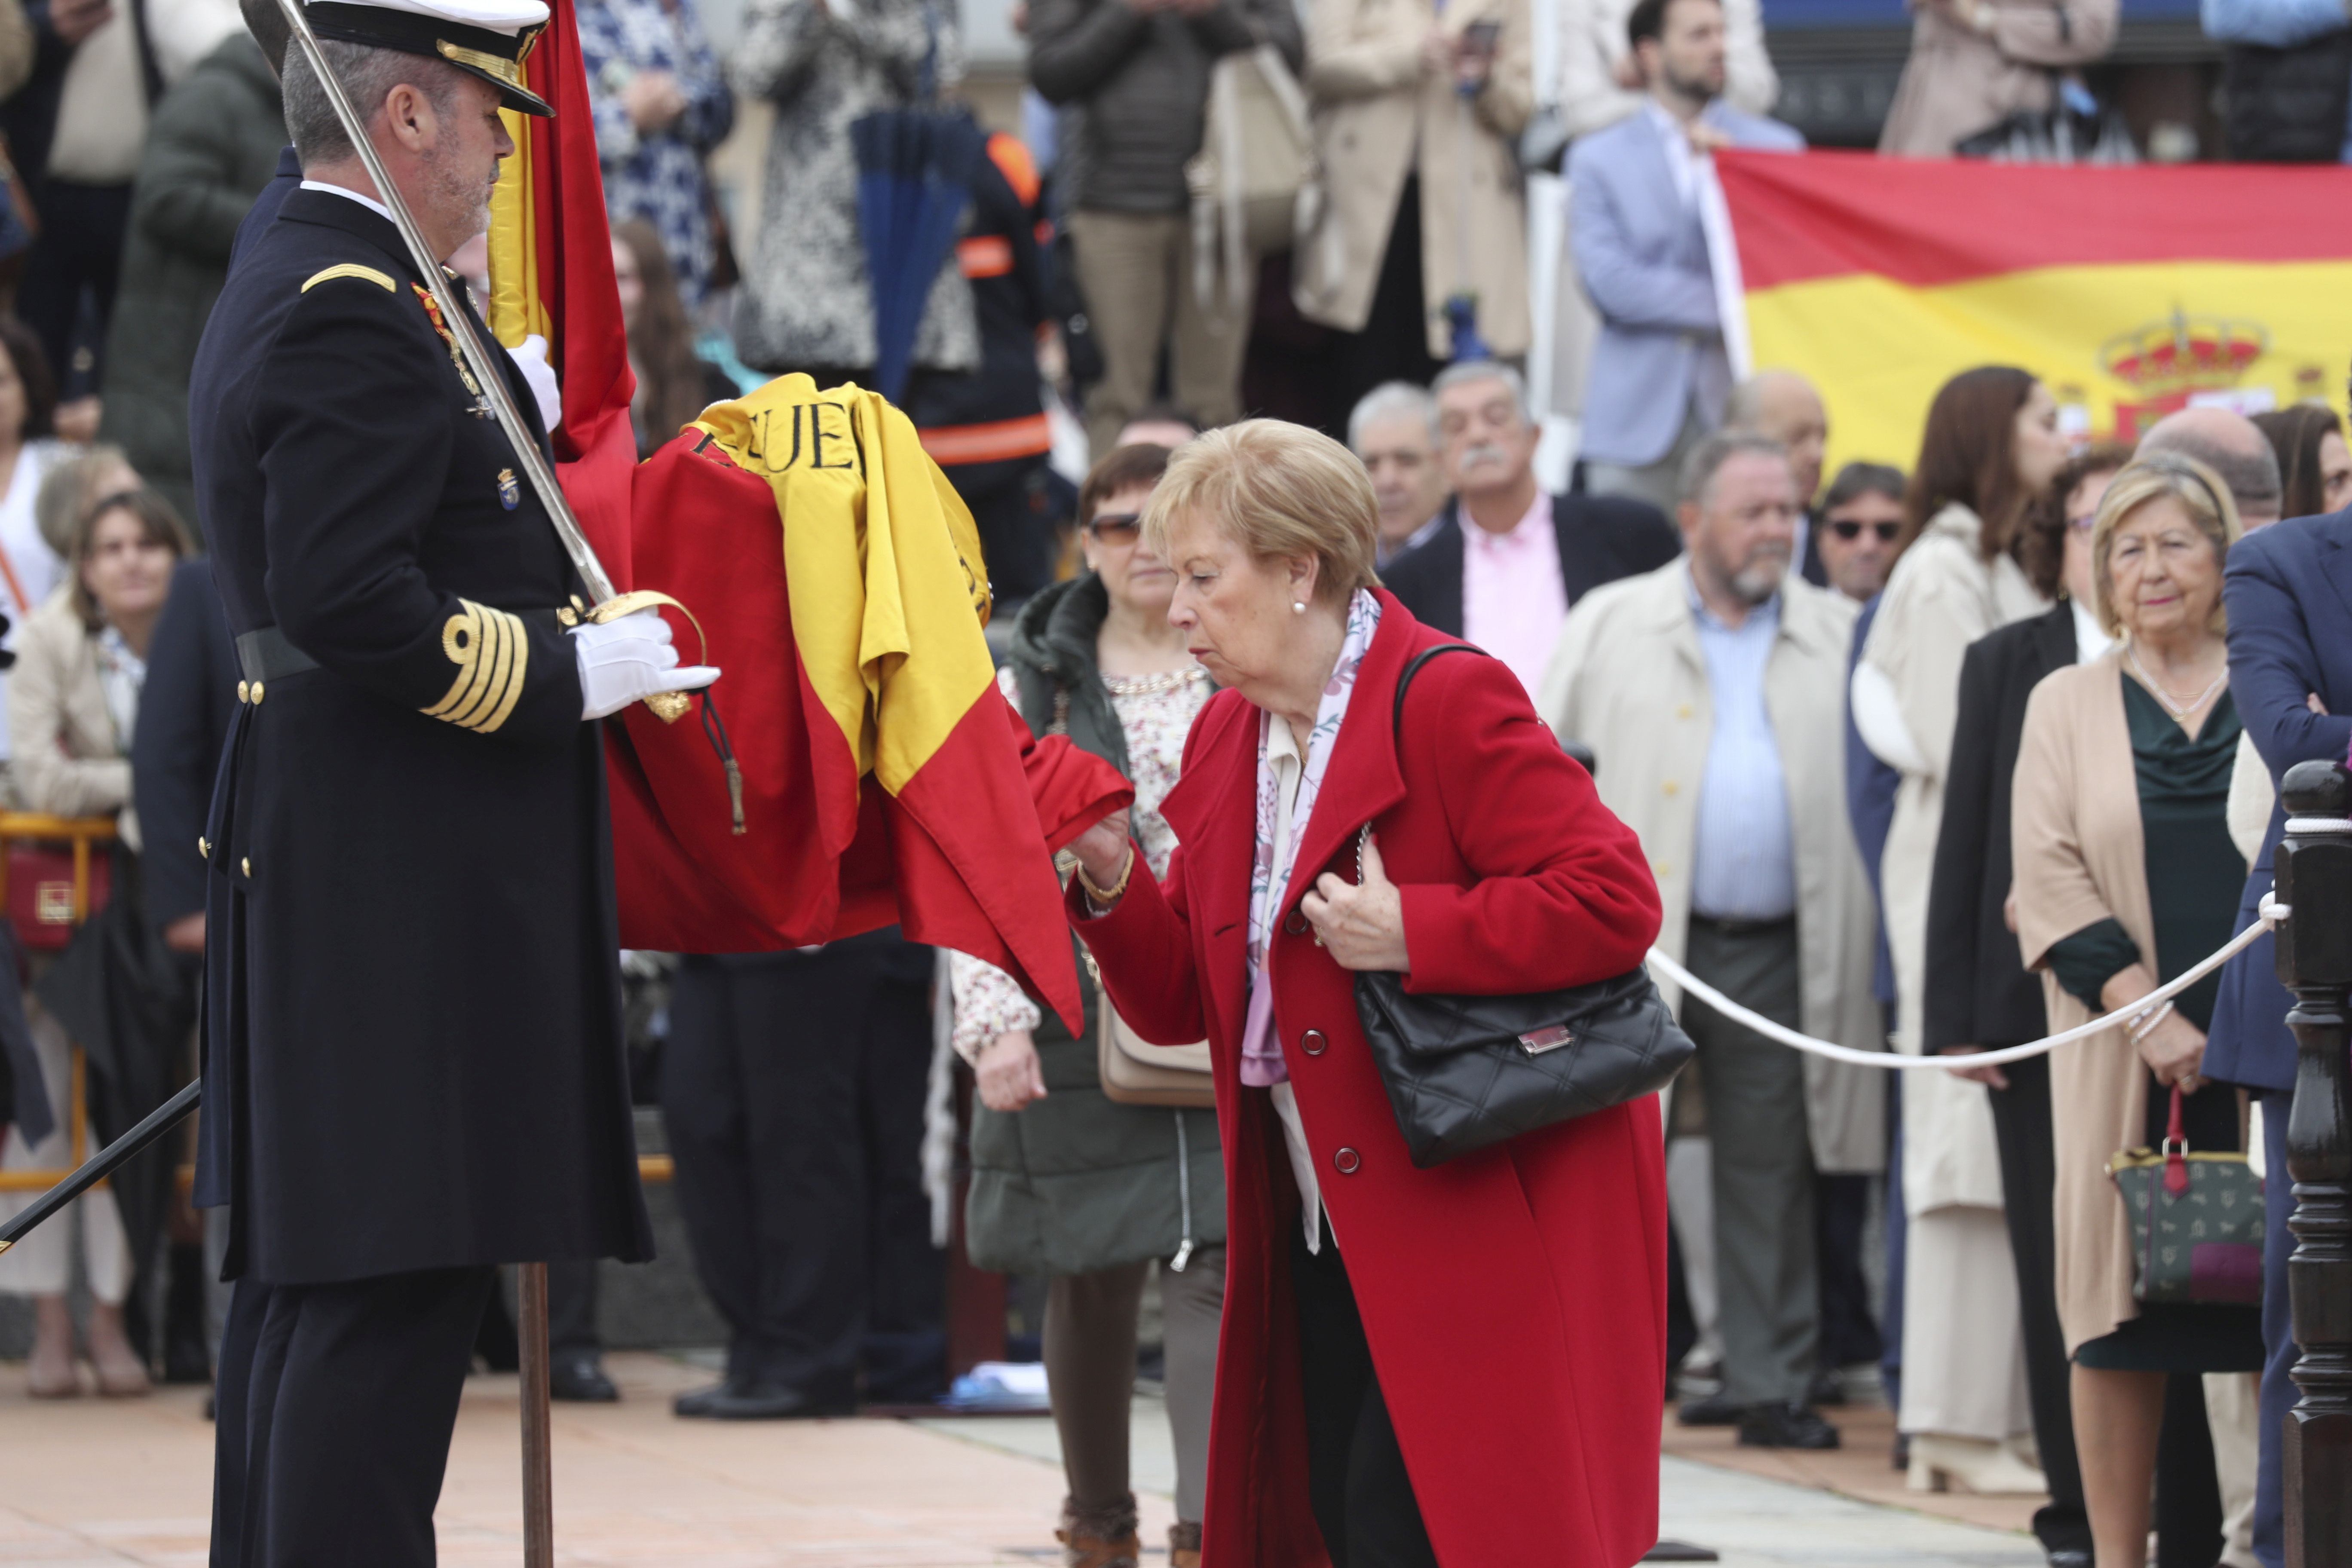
(350, 270)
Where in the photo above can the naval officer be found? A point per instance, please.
(413, 1066)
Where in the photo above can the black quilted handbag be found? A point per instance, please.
(1467, 1072)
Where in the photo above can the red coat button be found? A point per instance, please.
(1295, 923)
(1346, 1161)
(1313, 1043)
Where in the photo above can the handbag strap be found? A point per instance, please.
(1396, 721)
(2176, 1149)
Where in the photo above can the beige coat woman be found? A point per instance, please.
(67, 759)
(1629, 680)
(1975, 62)
(1381, 114)
(2074, 769)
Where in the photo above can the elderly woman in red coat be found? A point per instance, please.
(1463, 1365)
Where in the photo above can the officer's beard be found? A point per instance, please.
(460, 194)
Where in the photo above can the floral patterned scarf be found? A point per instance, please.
(1262, 1065)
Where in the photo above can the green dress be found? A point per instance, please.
(2194, 876)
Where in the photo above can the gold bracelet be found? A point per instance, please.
(1106, 897)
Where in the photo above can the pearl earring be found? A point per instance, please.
(1298, 606)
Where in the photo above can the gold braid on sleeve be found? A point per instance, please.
(492, 651)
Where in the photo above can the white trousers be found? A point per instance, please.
(41, 1264)
(1963, 1349)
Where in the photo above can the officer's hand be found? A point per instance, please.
(629, 659)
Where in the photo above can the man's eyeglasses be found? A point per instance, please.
(1116, 527)
(1849, 529)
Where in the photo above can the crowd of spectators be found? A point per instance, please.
(1933, 754)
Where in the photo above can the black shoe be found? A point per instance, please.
(774, 1402)
(700, 1404)
(2070, 1557)
(1785, 1427)
(579, 1375)
(1825, 1390)
(1715, 1410)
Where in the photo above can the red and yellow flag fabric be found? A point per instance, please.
(2131, 292)
(883, 777)
(552, 274)
(839, 579)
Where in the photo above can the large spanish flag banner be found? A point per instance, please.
(2130, 292)
(857, 766)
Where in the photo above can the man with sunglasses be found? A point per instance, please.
(1860, 529)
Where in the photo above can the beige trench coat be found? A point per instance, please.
(2080, 858)
(1941, 597)
(1379, 116)
(1959, 81)
(66, 759)
(1629, 680)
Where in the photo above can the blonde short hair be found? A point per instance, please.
(2152, 477)
(1278, 490)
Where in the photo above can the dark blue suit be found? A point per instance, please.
(2289, 594)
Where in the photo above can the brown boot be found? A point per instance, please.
(1183, 1545)
(1100, 1538)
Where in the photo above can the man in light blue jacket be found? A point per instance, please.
(1659, 374)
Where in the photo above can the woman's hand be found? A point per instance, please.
(1008, 1073)
(1992, 1077)
(2173, 1051)
(1102, 850)
(1363, 927)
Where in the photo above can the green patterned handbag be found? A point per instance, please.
(2196, 1219)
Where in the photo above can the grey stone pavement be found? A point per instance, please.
(1752, 1522)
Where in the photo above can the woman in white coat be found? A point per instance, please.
(1992, 450)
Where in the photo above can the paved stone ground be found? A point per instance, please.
(91, 1483)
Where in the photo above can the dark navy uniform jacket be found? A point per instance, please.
(412, 1039)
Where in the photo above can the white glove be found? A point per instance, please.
(531, 357)
(629, 659)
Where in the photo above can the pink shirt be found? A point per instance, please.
(1512, 600)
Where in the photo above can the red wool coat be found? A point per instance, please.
(1515, 1299)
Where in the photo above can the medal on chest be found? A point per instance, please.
(481, 408)
(509, 492)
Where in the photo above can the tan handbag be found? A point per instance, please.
(1135, 1072)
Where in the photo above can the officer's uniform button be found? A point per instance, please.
(248, 864)
(257, 694)
(245, 691)
(203, 848)
(1295, 923)
(1346, 1161)
(1313, 1043)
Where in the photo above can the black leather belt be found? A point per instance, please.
(1744, 928)
(266, 656)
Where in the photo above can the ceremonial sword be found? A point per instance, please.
(608, 603)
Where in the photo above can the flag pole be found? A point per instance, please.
(538, 1449)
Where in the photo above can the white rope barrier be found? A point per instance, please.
(2271, 914)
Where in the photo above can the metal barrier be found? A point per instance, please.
(81, 832)
(2314, 878)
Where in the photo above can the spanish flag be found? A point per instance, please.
(551, 275)
(2131, 292)
(857, 766)
(882, 776)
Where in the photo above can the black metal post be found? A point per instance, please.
(2313, 877)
